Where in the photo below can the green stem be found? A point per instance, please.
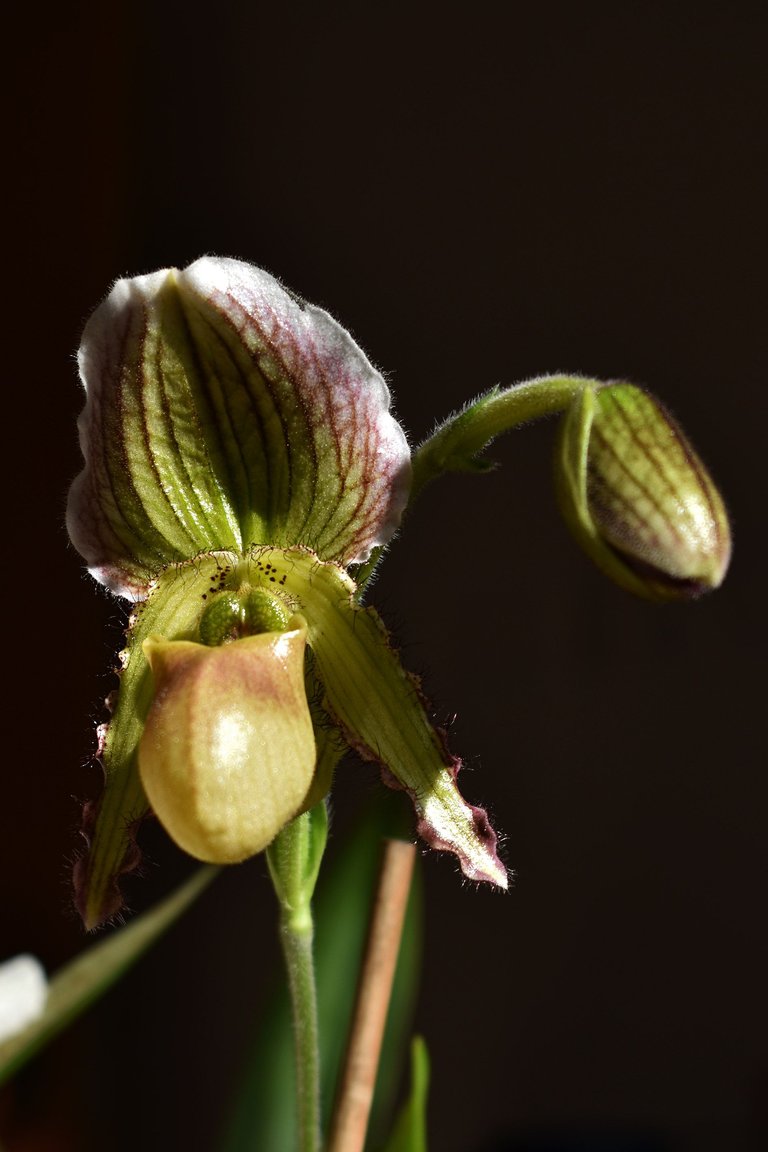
(455, 446)
(294, 859)
(296, 940)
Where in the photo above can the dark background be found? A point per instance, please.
(481, 193)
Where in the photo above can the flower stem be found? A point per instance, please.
(456, 445)
(353, 1104)
(294, 859)
(296, 941)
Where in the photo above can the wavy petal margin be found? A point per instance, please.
(379, 707)
(223, 412)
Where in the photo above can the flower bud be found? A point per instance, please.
(637, 496)
(227, 756)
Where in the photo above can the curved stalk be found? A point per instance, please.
(456, 445)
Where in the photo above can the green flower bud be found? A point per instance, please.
(294, 859)
(227, 755)
(637, 496)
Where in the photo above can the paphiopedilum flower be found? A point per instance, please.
(240, 453)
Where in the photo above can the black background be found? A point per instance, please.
(480, 193)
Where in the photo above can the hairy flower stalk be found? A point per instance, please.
(240, 453)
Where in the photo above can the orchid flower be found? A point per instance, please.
(243, 476)
(243, 473)
(241, 465)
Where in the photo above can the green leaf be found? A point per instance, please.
(73, 989)
(410, 1131)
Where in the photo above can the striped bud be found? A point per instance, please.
(637, 496)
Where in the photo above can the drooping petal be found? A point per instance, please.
(379, 707)
(227, 755)
(223, 412)
(172, 608)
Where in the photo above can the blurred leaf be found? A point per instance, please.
(264, 1111)
(84, 979)
(410, 1131)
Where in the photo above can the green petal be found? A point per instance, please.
(379, 707)
(173, 608)
(222, 412)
